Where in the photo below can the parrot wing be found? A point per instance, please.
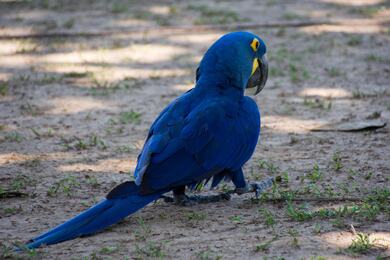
(187, 147)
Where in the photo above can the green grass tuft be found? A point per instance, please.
(361, 244)
(131, 116)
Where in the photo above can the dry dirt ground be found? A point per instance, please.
(74, 112)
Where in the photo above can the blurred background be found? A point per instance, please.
(82, 81)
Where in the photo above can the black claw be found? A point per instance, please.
(167, 199)
(226, 196)
(241, 191)
(183, 200)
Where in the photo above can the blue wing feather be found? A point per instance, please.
(200, 143)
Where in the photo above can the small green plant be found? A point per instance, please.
(380, 195)
(276, 194)
(23, 77)
(21, 182)
(294, 73)
(97, 141)
(362, 212)
(317, 228)
(32, 110)
(361, 244)
(12, 210)
(368, 176)
(376, 58)
(207, 254)
(117, 8)
(151, 249)
(355, 40)
(338, 222)
(66, 185)
(297, 72)
(130, 117)
(237, 219)
(92, 181)
(79, 144)
(3, 88)
(298, 214)
(268, 217)
(357, 94)
(103, 87)
(6, 252)
(368, 212)
(276, 72)
(9, 252)
(143, 232)
(272, 168)
(317, 103)
(173, 10)
(14, 137)
(196, 216)
(26, 46)
(334, 72)
(380, 198)
(69, 23)
(49, 132)
(337, 164)
(369, 11)
(294, 237)
(312, 188)
(315, 174)
(263, 247)
(285, 178)
(108, 250)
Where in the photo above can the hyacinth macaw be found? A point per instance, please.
(207, 133)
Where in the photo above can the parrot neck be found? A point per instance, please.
(219, 85)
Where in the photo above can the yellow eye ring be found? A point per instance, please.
(255, 44)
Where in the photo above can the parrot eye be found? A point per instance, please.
(255, 44)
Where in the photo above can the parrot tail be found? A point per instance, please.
(122, 201)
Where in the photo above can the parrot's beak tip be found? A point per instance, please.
(259, 78)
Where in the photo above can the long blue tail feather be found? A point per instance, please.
(105, 213)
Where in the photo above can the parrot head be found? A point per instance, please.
(237, 59)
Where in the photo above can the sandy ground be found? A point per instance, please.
(74, 112)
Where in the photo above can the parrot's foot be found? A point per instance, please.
(257, 187)
(184, 200)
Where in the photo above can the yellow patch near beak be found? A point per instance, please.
(255, 65)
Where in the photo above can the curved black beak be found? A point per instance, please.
(259, 76)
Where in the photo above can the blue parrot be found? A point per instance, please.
(208, 133)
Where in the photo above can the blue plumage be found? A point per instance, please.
(100, 216)
(208, 132)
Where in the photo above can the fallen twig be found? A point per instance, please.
(12, 194)
(357, 126)
(318, 199)
(261, 187)
(226, 196)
